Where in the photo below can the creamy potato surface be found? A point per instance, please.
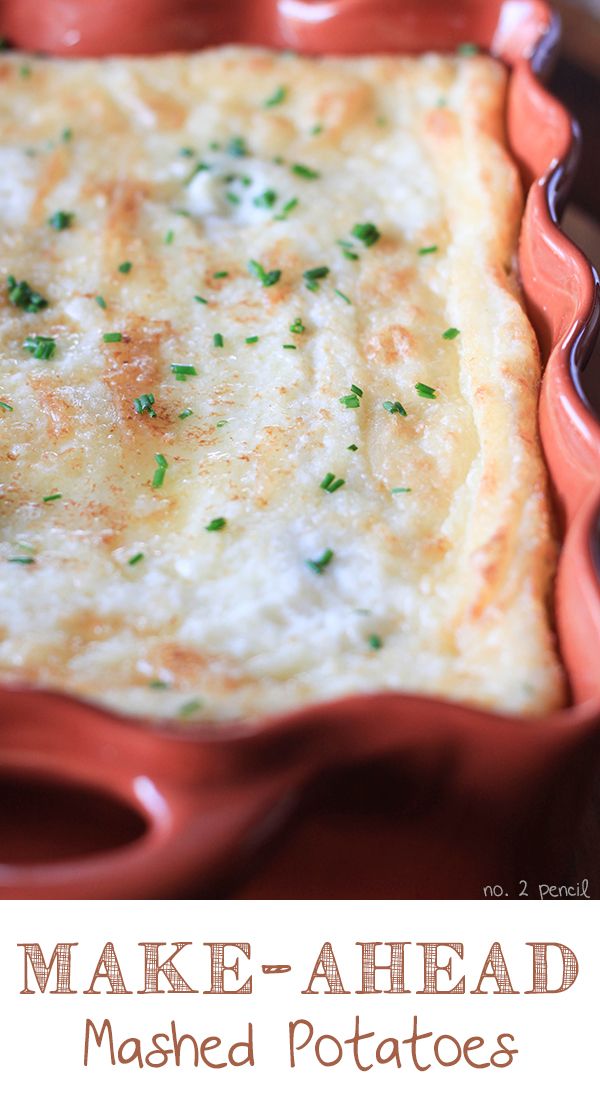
(268, 394)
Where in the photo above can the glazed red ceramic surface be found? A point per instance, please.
(403, 796)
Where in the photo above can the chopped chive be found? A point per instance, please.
(101, 301)
(441, 102)
(401, 490)
(425, 391)
(125, 267)
(428, 249)
(367, 233)
(199, 167)
(218, 340)
(320, 564)
(216, 524)
(183, 213)
(221, 423)
(252, 339)
(52, 496)
(331, 484)
(183, 370)
(237, 147)
(467, 49)
(232, 198)
(22, 560)
(267, 278)
(6, 407)
(344, 297)
(286, 209)
(313, 275)
(159, 473)
(135, 559)
(348, 251)
(22, 295)
(214, 145)
(25, 71)
(186, 412)
(394, 407)
(220, 274)
(352, 447)
(266, 200)
(374, 641)
(297, 326)
(67, 134)
(289, 347)
(305, 172)
(61, 220)
(316, 129)
(41, 347)
(169, 236)
(145, 403)
(357, 390)
(112, 337)
(158, 685)
(450, 333)
(189, 708)
(351, 401)
(278, 97)
(199, 298)
(186, 151)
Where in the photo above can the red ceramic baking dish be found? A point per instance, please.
(94, 805)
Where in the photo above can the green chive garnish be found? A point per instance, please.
(428, 249)
(297, 326)
(216, 524)
(135, 559)
(467, 49)
(266, 200)
(7, 408)
(125, 267)
(61, 220)
(52, 496)
(67, 134)
(375, 641)
(183, 370)
(425, 391)
(289, 347)
(196, 170)
(267, 278)
(278, 97)
(367, 233)
(331, 484)
(401, 490)
(286, 209)
(221, 423)
(252, 339)
(101, 301)
(344, 297)
(22, 560)
(198, 298)
(232, 198)
(357, 390)
(352, 447)
(313, 275)
(112, 337)
(218, 340)
(144, 404)
(22, 295)
(161, 468)
(186, 151)
(41, 347)
(316, 129)
(186, 412)
(320, 564)
(450, 333)
(158, 685)
(237, 147)
(169, 236)
(306, 173)
(189, 708)
(394, 407)
(220, 274)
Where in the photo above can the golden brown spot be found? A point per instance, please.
(59, 413)
(135, 366)
(340, 107)
(389, 344)
(442, 124)
(189, 667)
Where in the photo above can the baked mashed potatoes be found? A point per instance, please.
(268, 393)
